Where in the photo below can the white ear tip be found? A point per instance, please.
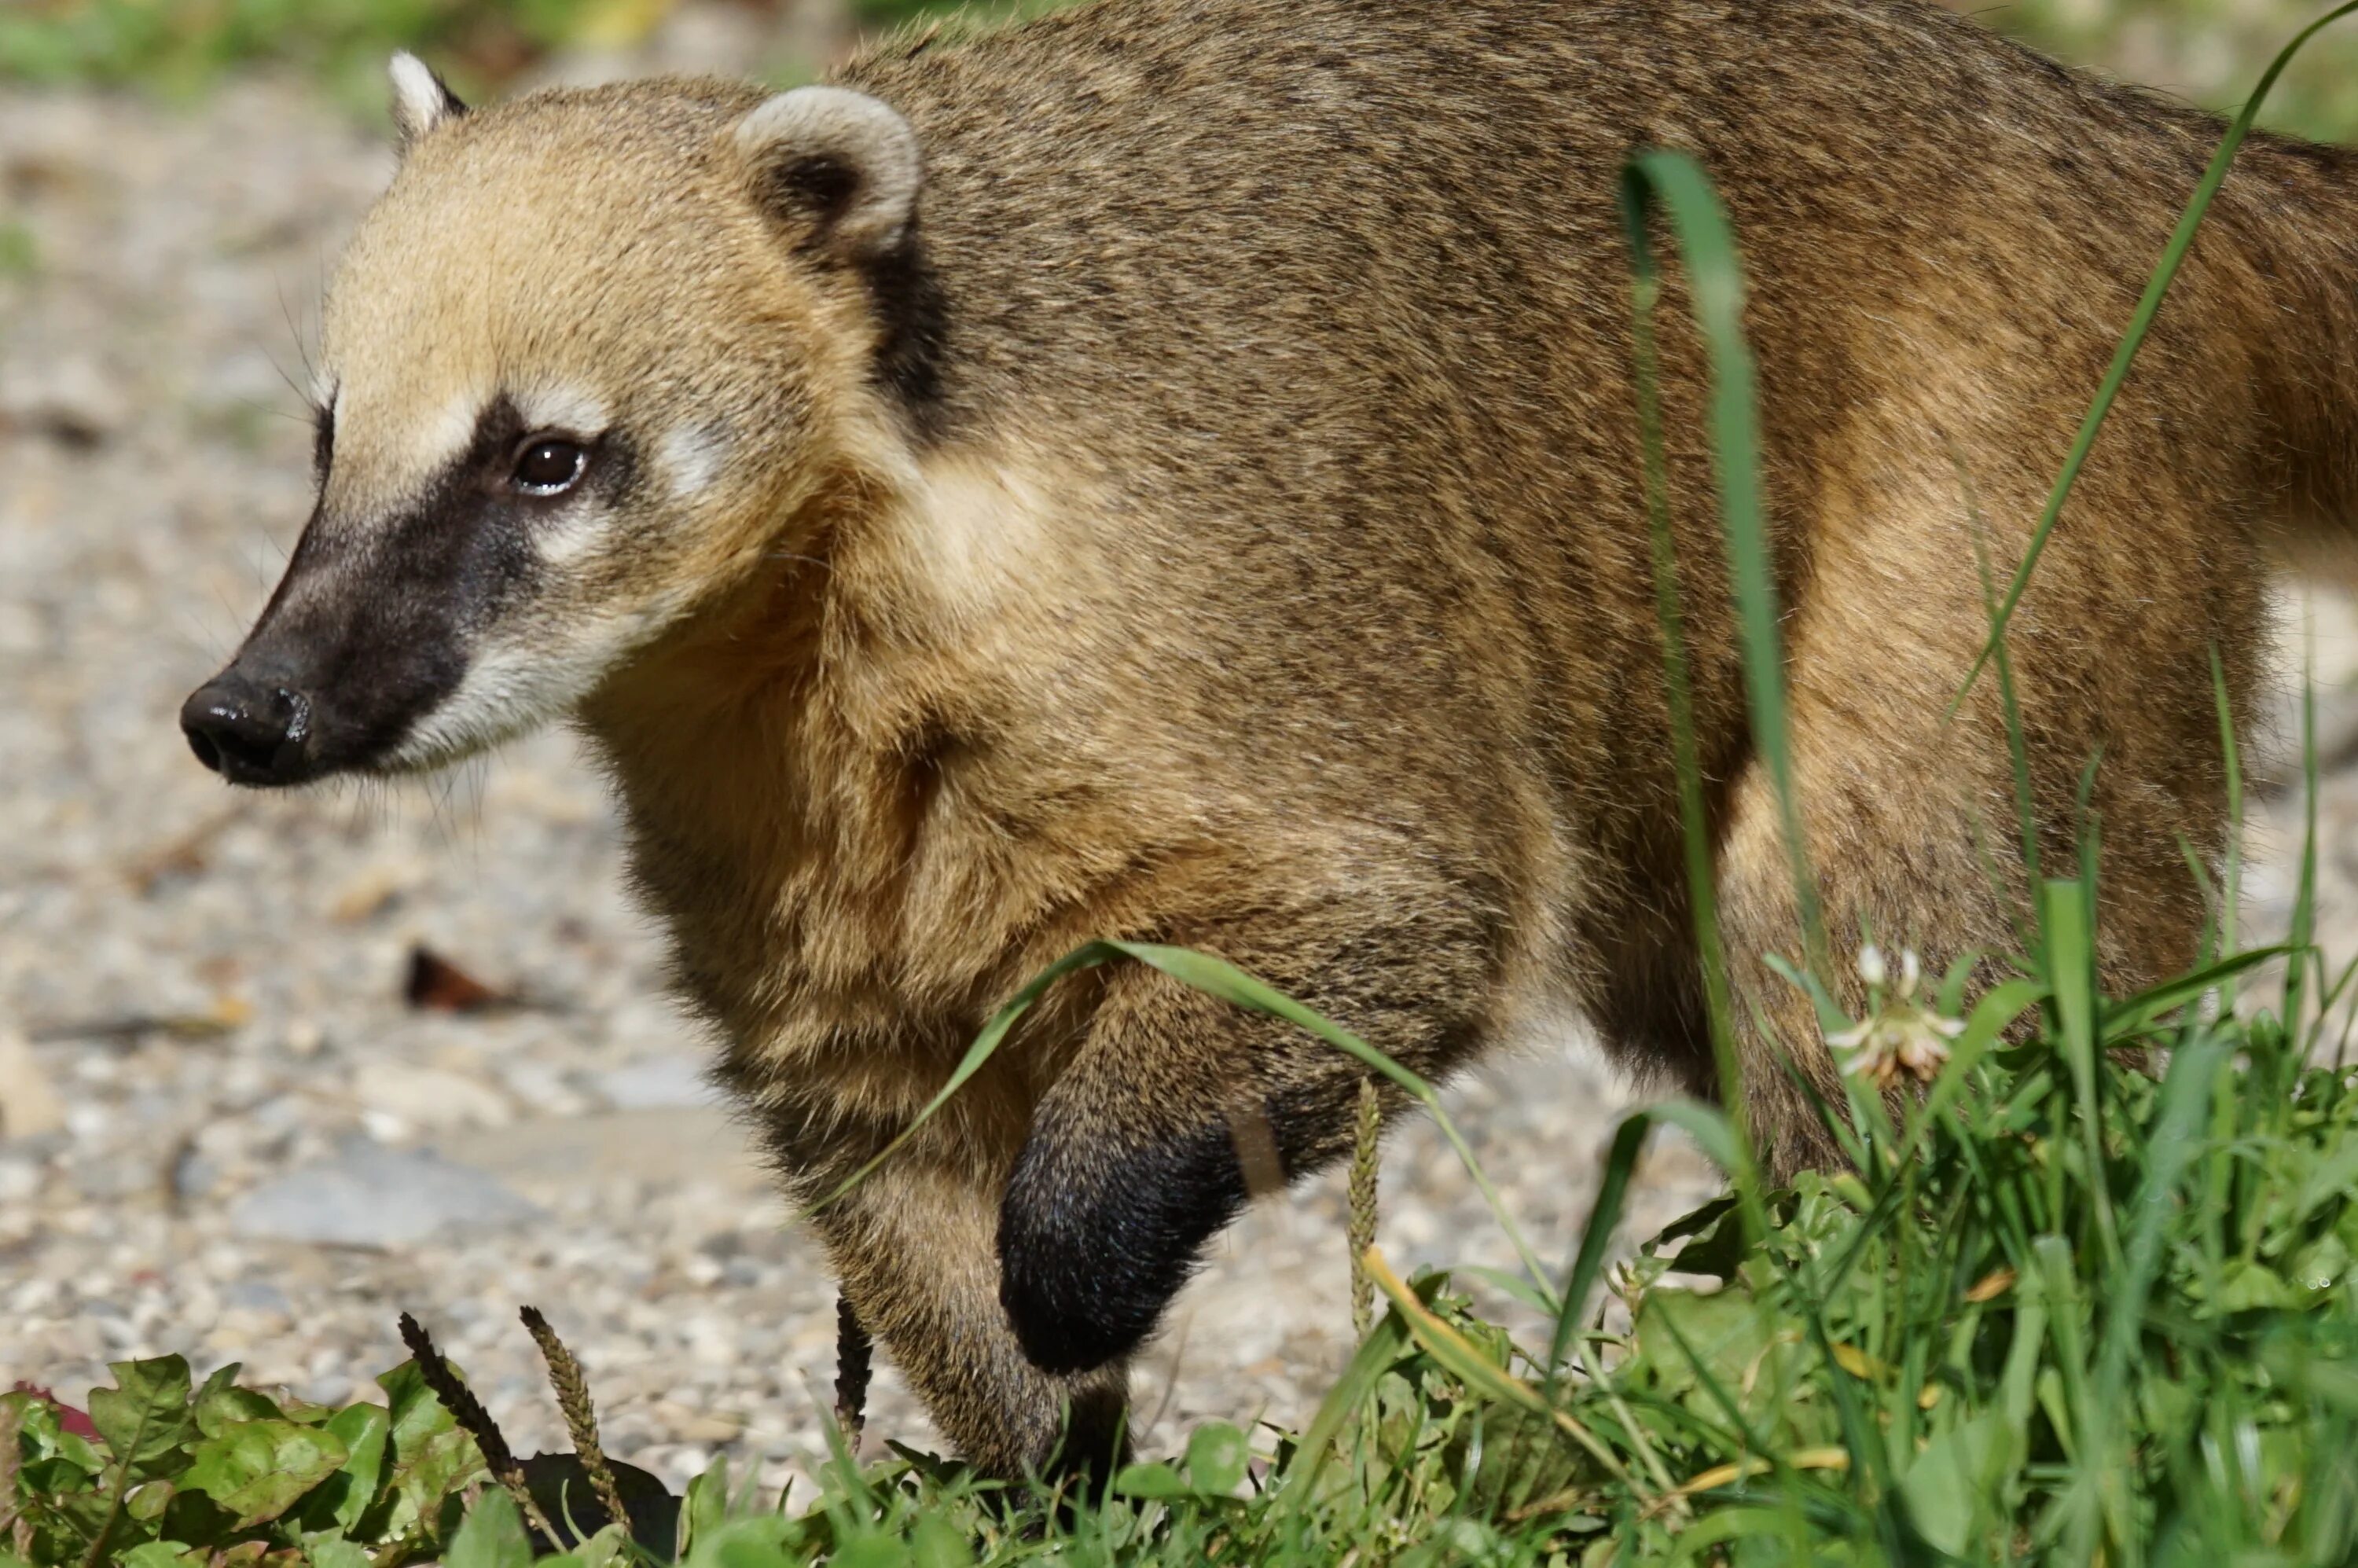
(420, 101)
(411, 77)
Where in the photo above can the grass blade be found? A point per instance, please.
(1715, 1132)
(1694, 831)
(1715, 282)
(1217, 977)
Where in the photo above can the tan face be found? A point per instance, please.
(569, 371)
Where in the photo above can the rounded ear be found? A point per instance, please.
(421, 100)
(838, 167)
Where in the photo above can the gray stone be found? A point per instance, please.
(21, 1180)
(657, 1083)
(257, 1295)
(369, 1196)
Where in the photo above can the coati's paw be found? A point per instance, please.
(1094, 1241)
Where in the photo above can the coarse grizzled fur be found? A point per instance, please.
(1169, 471)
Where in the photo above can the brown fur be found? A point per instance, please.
(1264, 568)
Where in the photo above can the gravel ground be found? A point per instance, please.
(225, 1130)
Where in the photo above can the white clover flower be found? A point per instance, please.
(1901, 1037)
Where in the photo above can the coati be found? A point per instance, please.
(1169, 469)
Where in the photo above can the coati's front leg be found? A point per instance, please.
(1146, 1145)
(914, 1248)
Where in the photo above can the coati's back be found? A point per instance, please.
(1190, 185)
(1334, 297)
(1364, 218)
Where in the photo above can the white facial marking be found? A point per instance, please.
(448, 432)
(691, 455)
(573, 532)
(575, 410)
(510, 687)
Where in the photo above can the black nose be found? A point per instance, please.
(249, 734)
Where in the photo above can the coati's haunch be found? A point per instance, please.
(1170, 470)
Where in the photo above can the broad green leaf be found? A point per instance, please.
(1501, 1457)
(145, 1418)
(1148, 1482)
(427, 1457)
(425, 1472)
(40, 1437)
(330, 1551)
(146, 1502)
(2244, 1286)
(2317, 1266)
(934, 1542)
(706, 1505)
(1719, 1251)
(257, 1469)
(2332, 1179)
(1682, 1336)
(866, 1551)
(1695, 1222)
(223, 1376)
(414, 1409)
(57, 1474)
(365, 1430)
(219, 1409)
(490, 1536)
(1952, 1480)
(1217, 1458)
(609, 1548)
(2332, 1380)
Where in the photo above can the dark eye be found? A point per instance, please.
(549, 467)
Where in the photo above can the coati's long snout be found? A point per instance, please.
(336, 675)
(1170, 470)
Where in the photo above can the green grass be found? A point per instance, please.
(2065, 1307)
